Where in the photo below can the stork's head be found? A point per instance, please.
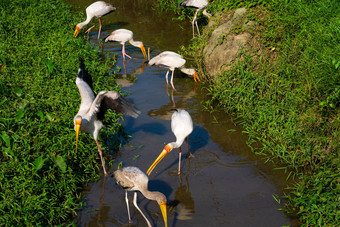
(161, 200)
(75, 34)
(191, 72)
(77, 123)
(141, 46)
(165, 151)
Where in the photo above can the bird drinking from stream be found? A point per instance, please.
(172, 60)
(122, 36)
(97, 9)
(133, 179)
(92, 108)
(181, 126)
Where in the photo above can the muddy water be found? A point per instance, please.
(223, 185)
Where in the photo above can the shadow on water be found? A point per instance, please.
(225, 184)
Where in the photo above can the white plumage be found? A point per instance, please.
(122, 36)
(172, 60)
(96, 9)
(181, 126)
(92, 108)
(198, 5)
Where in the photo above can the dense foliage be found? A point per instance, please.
(288, 96)
(40, 173)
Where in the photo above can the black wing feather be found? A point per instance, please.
(119, 104)
(84, 74)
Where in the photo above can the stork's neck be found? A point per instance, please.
(188, 71)
(157, 196)
(135, 43)
(206, 13)
(176, 144)
(82, 24)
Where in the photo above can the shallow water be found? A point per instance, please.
(223, 185)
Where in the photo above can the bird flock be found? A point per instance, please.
(91, 113)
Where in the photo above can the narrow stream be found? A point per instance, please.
(223, 185)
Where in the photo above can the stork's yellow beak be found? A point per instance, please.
(165, 151)
(143, 51)
(196, 78)
(162, 205)
(78, 123)
(76, 32)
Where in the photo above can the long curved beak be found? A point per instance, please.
(196, 78)
(78, 123)
(162, 205)
(76, 32)
(143, 51)
(165, 151)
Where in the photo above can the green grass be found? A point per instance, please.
(41, 176)
(287, 97)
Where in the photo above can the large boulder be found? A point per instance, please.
(225, 44)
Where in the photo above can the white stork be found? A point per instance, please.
(198, 5)
(133, 179)
(92, 109)
(122, 36)
(96, 9)
(172, 60)
(181, 126)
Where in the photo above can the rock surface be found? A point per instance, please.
(225, 44)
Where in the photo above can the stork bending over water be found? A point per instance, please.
(96, 9)
(181, 126)
(92, 109)
(122, 36)
(172, 60)
(133, 179)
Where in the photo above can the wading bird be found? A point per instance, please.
(181, 126)
(198, 5)
(133, 179)
(122, 36)
(92, 109)
(96, 9)
(172, 60)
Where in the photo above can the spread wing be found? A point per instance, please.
(112, 100)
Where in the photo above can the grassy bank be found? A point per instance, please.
(40, 174)
(288, 97)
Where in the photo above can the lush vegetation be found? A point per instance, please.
(40, 174)
(288, 97)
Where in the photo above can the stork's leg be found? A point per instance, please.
(124, 53)
(191, 155)
(179, 160)
(193, 24)
(135, 203)
(101, 156)
(166, 76)
(100, 27)
(127, 205)
(172, 80)
(198, 31)
(88, 30)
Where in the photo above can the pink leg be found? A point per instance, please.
(179, 160)
(123, 52)
(166, 76)
(88, 30)
(100, 27)
(101, 156)
(172, 80)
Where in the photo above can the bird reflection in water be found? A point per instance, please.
(183, 205)
(128, 79)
